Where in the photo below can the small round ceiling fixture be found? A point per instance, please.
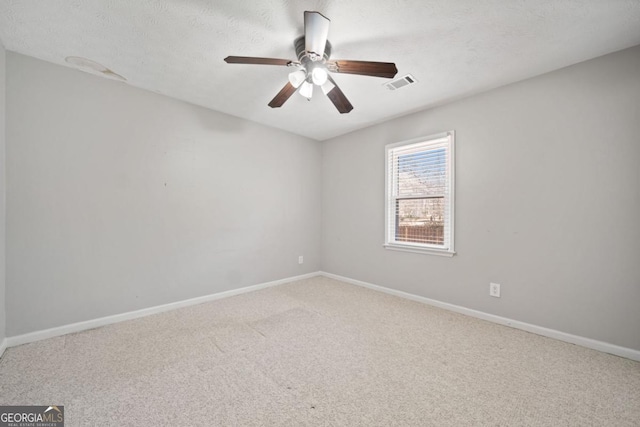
(92, 66)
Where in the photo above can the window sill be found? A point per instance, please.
(419, 250)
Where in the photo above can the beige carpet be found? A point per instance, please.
(320, 353)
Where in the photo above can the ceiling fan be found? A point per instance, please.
(313, 65)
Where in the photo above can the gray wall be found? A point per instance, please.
(3, 211)
(547, 202)
(120, 199)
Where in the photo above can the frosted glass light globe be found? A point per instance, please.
(297, 77)
(319, 75)
(306, 90)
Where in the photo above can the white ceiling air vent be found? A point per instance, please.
(401, 82)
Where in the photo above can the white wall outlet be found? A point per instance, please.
(300, 259)
(494, 289)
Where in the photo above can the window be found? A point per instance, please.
(419, 199)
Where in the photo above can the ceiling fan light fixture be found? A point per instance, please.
(297, 77)
(319, 75)
(306, 90)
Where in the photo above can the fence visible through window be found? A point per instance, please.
(420, 220)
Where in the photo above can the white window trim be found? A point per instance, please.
(413, 247)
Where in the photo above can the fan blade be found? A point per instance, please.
(316, 31)
(253, 60)
(366, 68)
(339, 99)
(282, 96)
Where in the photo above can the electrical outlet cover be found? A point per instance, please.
(494, 290)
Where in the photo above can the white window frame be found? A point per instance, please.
(390, 198)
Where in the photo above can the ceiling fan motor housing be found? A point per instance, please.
(304, 56)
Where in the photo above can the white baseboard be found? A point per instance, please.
(102, 321)
(3, 346)
(551, 333)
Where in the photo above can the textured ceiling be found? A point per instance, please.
(452, 47)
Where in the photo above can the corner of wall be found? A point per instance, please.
(3, 216)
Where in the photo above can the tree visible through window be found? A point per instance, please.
(420, 194)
